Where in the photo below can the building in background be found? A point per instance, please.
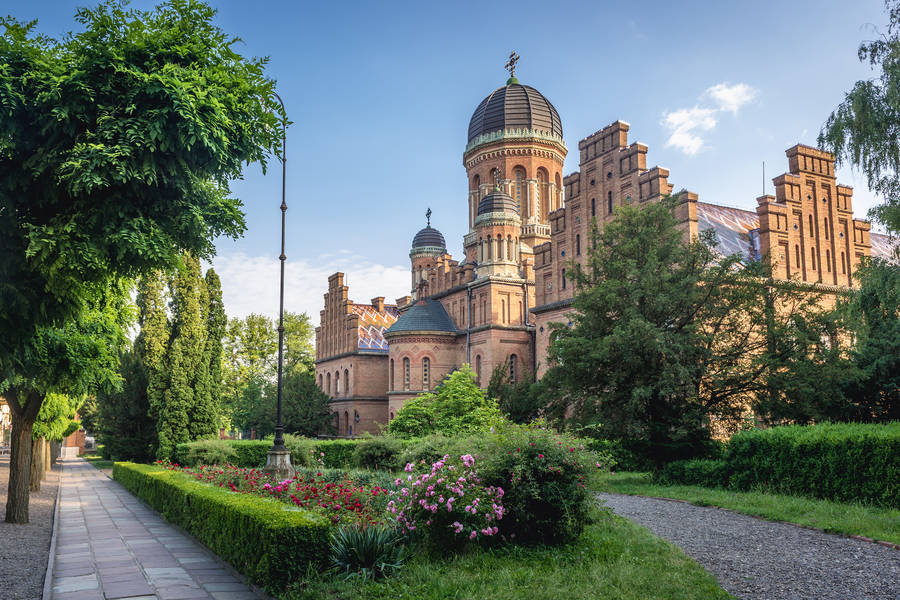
(527, 224)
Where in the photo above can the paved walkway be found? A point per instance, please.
(110, 545)
(761, 560)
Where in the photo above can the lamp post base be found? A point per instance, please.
(278, 464)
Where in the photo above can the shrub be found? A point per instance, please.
(548, 480)
(707, 473)
(336, 454)
(380, 453)
(458, 406)
(448, 503)
(426, 450)
(368, 552)
(846, 462)
(210, 452)
(284, 543)
(302, 450)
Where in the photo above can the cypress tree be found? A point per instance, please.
(184, 357)
(207, 387)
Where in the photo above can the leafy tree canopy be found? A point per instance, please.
(116, 147)
(457, 406)
(865, 128)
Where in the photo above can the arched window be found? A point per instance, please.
(392, 375)
(843, 264)
(320, 383)
(346, 423)
(476, 183)
(609, 203)
(426, 374)
(797, 253)
(577, 244)
(347, 381)
(826, 228)
(392, 415)
(337, 383)
(812, 233)
(543, 198)
(563, 279)
(328, 384)
(519, 176)
(513, 365)
(502, 310)
(406, 374)
(478, 369)
(828, 259)
(337, 423)
(812, 258)
(593, 207)
(495, 177)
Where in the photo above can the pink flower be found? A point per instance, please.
(408, 468)
(473, 535)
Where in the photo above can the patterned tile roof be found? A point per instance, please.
(732, 227)
(883, 245)
(373, 324)
(425, 315)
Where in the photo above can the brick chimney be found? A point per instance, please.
(378, 303)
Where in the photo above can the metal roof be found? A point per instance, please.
(497, 202)
(424, 315)
(515, 106)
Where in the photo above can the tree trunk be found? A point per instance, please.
(19, 469)
(47, 465)
(37, 464)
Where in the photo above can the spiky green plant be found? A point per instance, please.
(372, 551)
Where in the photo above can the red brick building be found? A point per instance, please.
(526, 224)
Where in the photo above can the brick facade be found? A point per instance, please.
(511, 283)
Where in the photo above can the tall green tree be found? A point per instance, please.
(117, 144)
(76, 359)
(668, 337)
(207, 407)
(176, 410)
(126, 428)
(864, 129)
(874, 311)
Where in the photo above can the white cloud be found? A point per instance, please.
(250, 283)
(684, 124)
(731, 97)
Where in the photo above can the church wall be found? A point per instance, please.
(353, 417)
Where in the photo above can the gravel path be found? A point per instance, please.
(24, 549)
(761, 560)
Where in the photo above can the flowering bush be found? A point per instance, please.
(548, 481)
(448, 503)
(343, 502)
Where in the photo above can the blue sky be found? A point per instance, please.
(381, 95)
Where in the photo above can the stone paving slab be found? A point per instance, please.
(110, 546)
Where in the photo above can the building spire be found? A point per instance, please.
(511, 67)
(428, 216)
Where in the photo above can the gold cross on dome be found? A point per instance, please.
(511, 63)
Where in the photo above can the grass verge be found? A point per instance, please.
(834, 517)
(97, 461)
(612, 559)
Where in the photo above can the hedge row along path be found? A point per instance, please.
(109, 545)
(761, 560)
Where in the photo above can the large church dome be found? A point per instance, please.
(514, 106)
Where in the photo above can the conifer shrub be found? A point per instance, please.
(210, 452)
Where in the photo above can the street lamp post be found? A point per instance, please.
(278, 462)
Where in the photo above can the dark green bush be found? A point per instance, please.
(210, 452)
(380, 453)
(337, 454)
(257, 536)
(252, 454)
(704, 472)
(846, 462)
(548, 480)
(428, 449)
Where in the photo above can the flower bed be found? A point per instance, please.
(340, 502)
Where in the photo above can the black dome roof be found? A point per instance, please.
(514, 106)
(497, 202)
(429, 237)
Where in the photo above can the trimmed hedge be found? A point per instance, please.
(845, 462)
(271, 543)
(252, 454)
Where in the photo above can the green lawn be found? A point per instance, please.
(97, 460)
(834, 517)
(613, 559)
